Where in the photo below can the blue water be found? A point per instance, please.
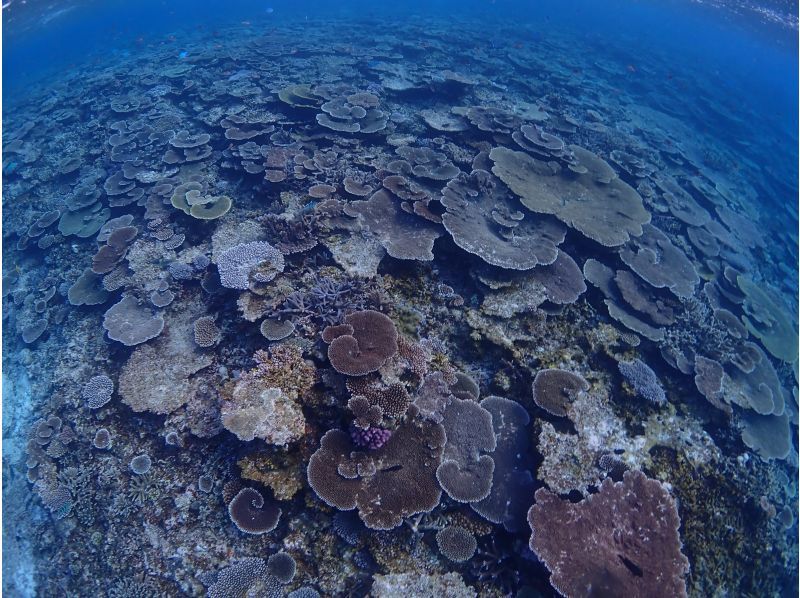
(161, 113)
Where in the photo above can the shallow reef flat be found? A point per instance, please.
(441, 310)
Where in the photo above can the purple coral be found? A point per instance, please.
(371, 438)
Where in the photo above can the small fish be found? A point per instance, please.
(183, 54)
(270, 10)
(631, 68)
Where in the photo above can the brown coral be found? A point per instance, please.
(395, 481)
(622, 541)
(371, 343)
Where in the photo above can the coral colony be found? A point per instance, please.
(303, 316)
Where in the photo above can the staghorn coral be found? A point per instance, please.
(326, 302)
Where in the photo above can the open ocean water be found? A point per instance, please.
(436, 299)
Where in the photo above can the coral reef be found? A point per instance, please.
(619, 541)
(326, 307)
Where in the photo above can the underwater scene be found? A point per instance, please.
(417, 299)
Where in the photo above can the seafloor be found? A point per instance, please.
(359, 300)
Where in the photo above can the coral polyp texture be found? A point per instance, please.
(252, 514)
(97, 391)
(365, 341)
(621, 541)
(302, 302)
